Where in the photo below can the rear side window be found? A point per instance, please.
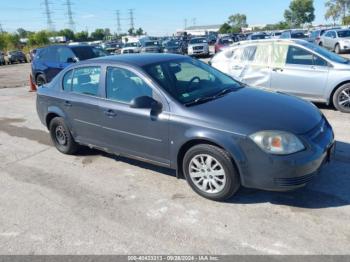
(86, 80)
(48, 54)
(64, 54)
(67, 81)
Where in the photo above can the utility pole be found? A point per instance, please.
(71, 23)
(50, 25)
(194, 21)
(131, 17)
(119, 28)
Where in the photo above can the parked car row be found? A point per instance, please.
(11, 57)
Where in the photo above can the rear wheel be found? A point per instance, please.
(341, 98)
(210, 172)
(61, 137)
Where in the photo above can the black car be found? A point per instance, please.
(174, 47)
(178, 112)
(15, 57)
(50, 60)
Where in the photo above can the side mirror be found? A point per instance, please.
(146, 102)
(71, 60)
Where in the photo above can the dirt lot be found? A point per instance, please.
(96, 203)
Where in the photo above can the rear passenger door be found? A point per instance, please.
(82, 104)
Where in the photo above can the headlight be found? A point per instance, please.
(166, 50)
(278, 142)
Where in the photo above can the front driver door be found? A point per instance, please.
(135, 132)
(299, 72)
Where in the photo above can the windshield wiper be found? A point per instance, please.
(209, 98)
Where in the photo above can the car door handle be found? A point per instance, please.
(276, 69)
(110, 113)
(67, 104)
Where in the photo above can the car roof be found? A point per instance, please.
(138, 60)
(295, 41)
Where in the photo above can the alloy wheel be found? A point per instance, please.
(344, 99)
(207, 174)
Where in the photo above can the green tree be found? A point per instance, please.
(300, 12)
(346, 20)
(238, 20)
(225, 29)
(2, 41)
(81, 36)
(98, 34)
(131, 31)
(333, 11)
(69, 34)
(139, 31)
(39, 38)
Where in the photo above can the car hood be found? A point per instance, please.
(249, 110)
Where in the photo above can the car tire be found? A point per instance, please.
(218, 179)
(337, 49)
(341, 98)
(62, 137)
(40, 80)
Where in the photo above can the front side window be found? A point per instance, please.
(123, 85)
(188, 80)
(86, 80)
(300, 56)
(65, 55)
(67, 81)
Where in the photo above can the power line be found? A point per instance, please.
(119, 28)
(50, 24)
(131, 17)
(71, 23)
(185, 23)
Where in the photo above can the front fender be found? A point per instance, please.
(226, 140)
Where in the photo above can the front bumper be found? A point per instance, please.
(283, 173)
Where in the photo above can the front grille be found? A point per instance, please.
(130, 51)
(293, 181)
(198, 48)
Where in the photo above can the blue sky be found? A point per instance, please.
(155, 16)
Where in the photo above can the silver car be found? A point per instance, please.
(198, 47)
(295, 67)
(336, 40)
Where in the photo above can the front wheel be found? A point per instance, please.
(337, 49)
(61, 137)
(341, 98)
(210, 172)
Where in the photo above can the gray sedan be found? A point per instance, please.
(296, 67)
(178, 112)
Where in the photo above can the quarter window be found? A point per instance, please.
(64, 54)
(86, 80)
(123, 85)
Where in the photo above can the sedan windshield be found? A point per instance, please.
(173, 44)
(325, 53)
(344, 33)
(134, 44)
(198, 41)
(190, 81)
